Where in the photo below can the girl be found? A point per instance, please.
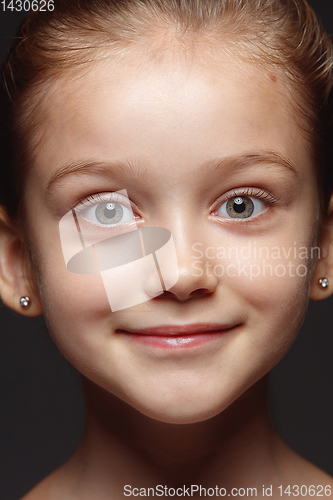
(166, 203)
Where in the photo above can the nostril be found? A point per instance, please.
(200, 292)
(196, 294)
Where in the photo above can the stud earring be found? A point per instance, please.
(25, 302)
(323, 282)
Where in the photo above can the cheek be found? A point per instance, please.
(272, 285)
(71, 314)
(72, 303)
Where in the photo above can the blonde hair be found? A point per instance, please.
(280, 33)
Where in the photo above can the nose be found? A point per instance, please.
(189, 287)
(196, 278)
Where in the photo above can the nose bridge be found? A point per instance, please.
(186, 240)
(191, 231)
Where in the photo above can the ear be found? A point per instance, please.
(16, 276)
(324, 265)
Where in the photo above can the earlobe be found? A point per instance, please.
(320, 289)
(15, 282)
(322, 278)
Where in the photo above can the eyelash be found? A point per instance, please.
(96, 198)
(261, 194)
(258, 193)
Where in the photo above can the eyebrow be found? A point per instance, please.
(121, 168)
(238, 162)
(141, 171)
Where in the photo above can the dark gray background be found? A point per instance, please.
(42, 409)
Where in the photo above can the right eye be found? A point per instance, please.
(105, 210)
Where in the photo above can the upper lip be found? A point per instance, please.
(179, 330)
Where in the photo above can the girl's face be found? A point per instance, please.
(212, 153)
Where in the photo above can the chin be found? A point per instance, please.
(179, 416)
(184, 412)
(181, 399)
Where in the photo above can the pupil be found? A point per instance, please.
(110, 211)
(239, 208)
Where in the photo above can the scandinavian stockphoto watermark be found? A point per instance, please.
(253, 261)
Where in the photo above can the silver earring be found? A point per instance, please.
(323, 282)
(25, 302)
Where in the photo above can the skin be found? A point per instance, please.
(174, 118)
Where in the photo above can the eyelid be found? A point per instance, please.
(259, 193)
(96, 198)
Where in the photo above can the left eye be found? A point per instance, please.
(241, 207)
(108, 213)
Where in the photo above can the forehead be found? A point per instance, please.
(181, 105)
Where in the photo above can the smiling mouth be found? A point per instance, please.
(178, 336)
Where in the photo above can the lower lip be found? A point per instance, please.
(177, 342)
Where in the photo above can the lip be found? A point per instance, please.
(178, 336)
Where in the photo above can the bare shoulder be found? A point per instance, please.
(60, 484)
(307, 481)
(297, 472)
(43, 490)
(310, 474)
(53, 487)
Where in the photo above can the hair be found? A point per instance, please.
(283, 34)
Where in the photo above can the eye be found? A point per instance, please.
(241, 207)
(108, 213)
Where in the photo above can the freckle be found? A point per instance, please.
(272, 77)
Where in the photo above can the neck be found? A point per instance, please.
(124, 447)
